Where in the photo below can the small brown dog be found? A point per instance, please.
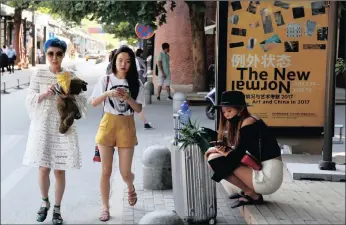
(67, 107)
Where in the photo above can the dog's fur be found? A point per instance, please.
(67, 107)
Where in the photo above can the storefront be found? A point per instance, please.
(276, 53)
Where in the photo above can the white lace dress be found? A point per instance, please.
(46, 147)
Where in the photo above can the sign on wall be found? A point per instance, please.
(144, 31)
(276, 55)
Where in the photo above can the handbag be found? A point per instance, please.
(251, 161)
(97, 157)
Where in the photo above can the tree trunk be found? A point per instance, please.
(200, 79)
(17, 24)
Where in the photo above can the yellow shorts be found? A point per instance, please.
(117, 131)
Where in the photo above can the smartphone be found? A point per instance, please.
(217, 143)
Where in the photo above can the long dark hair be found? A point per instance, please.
(132, 74)
(111, 55)
(230, 131)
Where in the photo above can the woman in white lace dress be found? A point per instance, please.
(46, 147)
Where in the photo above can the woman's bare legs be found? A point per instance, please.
(142, 117)
(44, 183)
(125, 163)
(106, 153)
(145, 121)
(60, 183)
(241, 178)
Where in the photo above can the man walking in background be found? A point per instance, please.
(12, 56)
(164, 72)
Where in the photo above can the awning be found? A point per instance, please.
(211, 29)
(6, 10)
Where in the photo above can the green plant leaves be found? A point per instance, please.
(192, 134)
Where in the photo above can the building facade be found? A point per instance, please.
(177, 32)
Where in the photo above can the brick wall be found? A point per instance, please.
(177, 32)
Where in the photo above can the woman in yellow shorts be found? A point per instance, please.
(121, 94)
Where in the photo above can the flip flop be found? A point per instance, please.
(104, 215)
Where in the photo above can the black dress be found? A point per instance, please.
(249, 137)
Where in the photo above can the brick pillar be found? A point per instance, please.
(177, 32)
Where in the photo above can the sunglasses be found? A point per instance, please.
(56, 54)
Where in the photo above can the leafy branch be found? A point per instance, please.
(192, 134)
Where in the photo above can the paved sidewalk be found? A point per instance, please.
(340, 96)
(297, 201)
(302, 202)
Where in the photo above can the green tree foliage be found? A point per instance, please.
(111, 11)
(122, 30)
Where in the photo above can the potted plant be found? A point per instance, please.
(192, 134)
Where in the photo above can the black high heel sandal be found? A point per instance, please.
(57, 219)
(250, 201)
(43, 211)
(237, 195)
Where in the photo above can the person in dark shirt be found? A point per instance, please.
(240, 134)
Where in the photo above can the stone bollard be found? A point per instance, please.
(148, 86)
(4, 89)
(18, 84)
(162, 217)
(157, 170)
(178, 100)
(150, 79)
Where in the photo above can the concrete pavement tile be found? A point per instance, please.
(220, 219)
(285, 222)
(265, 211)
(127, 209)
(272, 220)
(168, 196)
(231, 220)
(169, 200)
(170, 208)
(227, 213)
(340, 216)
(337, 222)
(323, 221)
(219, 203)
(242, 221)
(276, 210)
(148, 197)
(298, 221)
(287, 209)
(127, 218)
(127, 213)
(299, 209)
(148, 202)
(317, 211)
(311, 222)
